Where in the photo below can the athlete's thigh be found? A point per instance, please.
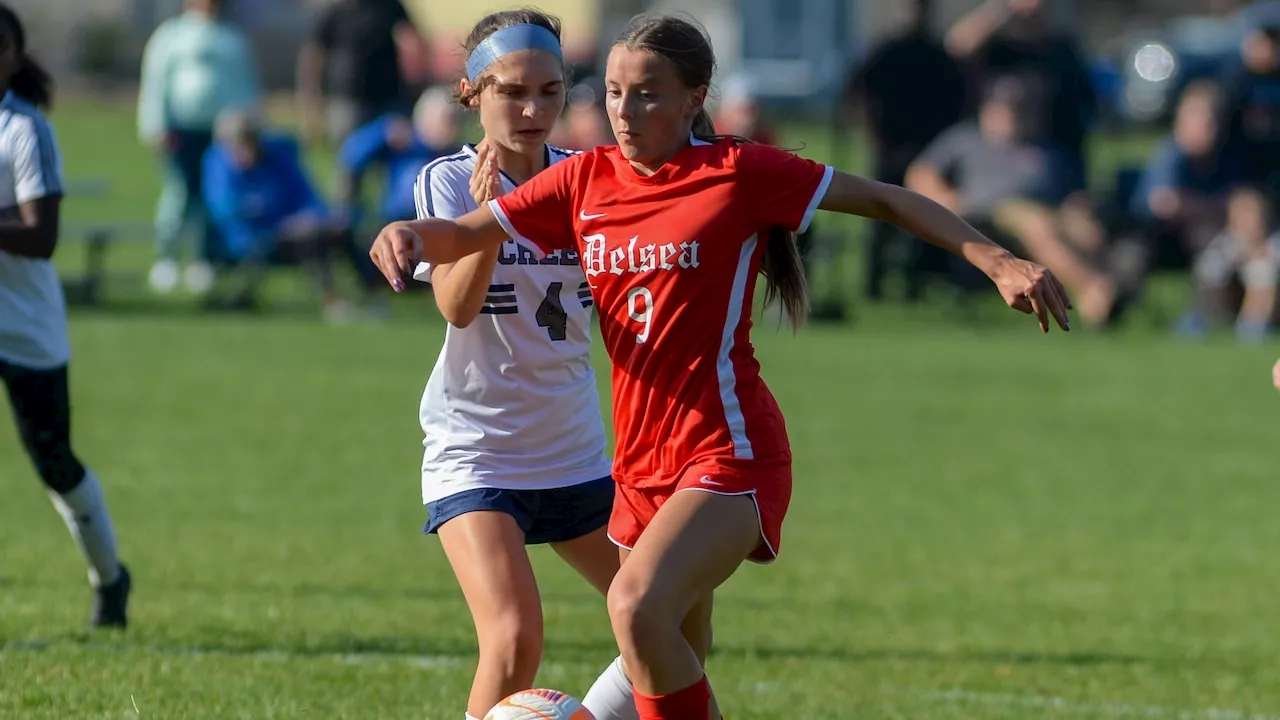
(694, 543)
(487, 552)
(593, 555)
(696, 627)
(40, 400)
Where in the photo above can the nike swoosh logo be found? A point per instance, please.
(582, 215)
(706, 480)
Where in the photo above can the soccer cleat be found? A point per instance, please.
(110, 601)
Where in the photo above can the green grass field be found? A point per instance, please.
(988, 523)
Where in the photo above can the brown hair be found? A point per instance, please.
(490, 24)
(687, 47)
(30, 81)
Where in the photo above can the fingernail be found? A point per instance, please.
(397, 285)
(1067, 325)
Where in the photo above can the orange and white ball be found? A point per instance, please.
(539, 705)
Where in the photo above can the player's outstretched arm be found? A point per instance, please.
(402, 245)
(1026, 286)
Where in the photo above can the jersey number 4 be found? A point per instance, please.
(551, 314)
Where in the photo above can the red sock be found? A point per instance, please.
(691, 703)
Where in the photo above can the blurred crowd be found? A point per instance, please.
(992, 118)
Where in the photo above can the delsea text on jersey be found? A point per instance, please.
(644, 258)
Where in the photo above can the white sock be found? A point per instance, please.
(472, 717)
(85, 512)
(611, 698)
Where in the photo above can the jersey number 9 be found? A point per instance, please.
(640, 306)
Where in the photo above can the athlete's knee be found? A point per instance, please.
(54, 461)
(638, 607)
(512, 646)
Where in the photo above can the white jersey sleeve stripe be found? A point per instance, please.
(420, 194)
(736, 421)
(35, 161)
(51, 159)
(514, 234)
(818, 195)
(435, 196)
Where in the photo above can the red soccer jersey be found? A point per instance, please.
(671, 261)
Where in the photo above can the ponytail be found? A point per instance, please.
(704, 129)
(32, 83)
(781, 265)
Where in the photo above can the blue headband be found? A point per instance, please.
(509, 40)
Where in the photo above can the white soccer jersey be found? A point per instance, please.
(512, 401)
(33, 314)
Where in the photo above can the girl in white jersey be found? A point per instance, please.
(34, 350)
(514, 440)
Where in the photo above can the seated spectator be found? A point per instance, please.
(1247, 252)
(403, 146)
(739, 112)
(1182, 196)
(266, 212)
(992, 174)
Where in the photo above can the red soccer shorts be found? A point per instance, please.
(768, 482)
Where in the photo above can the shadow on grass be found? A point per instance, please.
(983, 657)
(439, 650)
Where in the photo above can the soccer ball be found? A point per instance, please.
(539, 705)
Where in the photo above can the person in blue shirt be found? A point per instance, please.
(1182, 195)
(403, 146)
(266, 212)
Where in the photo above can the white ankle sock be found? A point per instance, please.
(85, 512)
(472, 717)
(611, 697)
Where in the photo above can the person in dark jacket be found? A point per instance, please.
(909, 90)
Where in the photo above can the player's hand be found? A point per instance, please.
(396, 253)
(1275, 375)
(1032, 289)
(486, 181)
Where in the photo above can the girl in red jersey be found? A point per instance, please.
(672, 226)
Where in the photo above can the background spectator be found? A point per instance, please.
(1016, 38)
(349, 73)
(996, 174)
(584, 124)
(739, 112)
(1182, 195)
(1251, 111)
(1246, 254)
(267, 212)
(907, 91)
(194, 67)
(402, 145)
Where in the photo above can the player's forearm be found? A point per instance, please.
(448, 241)
(936, 225)
(460, 289)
